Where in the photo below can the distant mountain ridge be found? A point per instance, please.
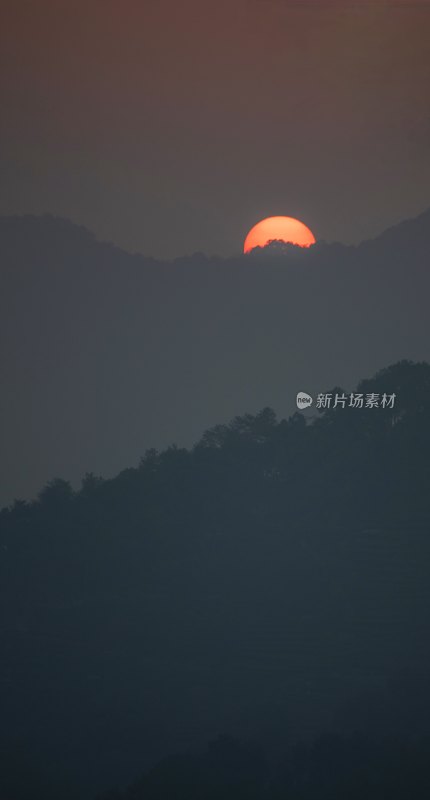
(13, 228)
(105, 353)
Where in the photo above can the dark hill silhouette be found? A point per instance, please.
(270, 583)
(399, 237)
(105, 353)
(332, 767)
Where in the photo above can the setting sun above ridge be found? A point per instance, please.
(285, 229)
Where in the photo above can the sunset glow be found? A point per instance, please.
(286, 229)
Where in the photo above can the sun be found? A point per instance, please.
(286, 229)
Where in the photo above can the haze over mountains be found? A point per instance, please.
(269, 584)
(105, 354)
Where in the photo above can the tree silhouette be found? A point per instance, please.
(274, 576)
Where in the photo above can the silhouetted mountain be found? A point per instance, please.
(105, 354)
(400, 237)
(269, 583)
(332, 768)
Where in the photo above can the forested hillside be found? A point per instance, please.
(270, 583)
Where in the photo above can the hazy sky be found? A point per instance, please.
(170, 127)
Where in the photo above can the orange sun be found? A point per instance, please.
(287, 229)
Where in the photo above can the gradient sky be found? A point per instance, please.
(169, 127)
